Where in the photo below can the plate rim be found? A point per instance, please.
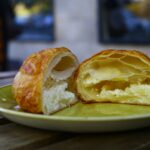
(69, 118)
(4, 111)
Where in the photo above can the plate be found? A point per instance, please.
(80, 117)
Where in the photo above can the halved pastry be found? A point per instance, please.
(44, 81)
(119, 76)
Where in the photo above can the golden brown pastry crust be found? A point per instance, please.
(133, 53)
(27, 84)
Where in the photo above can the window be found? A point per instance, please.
(32, 20)
(124, 21)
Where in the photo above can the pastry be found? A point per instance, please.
(117, 76)
(44, 82)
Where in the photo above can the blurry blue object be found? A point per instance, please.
(123, 17)
(21, 20)
(41, 20)
(48, 20)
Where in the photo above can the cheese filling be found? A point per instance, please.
(57, 97)
(134, 92)
(120, 91)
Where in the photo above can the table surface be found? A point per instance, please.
(14, 136)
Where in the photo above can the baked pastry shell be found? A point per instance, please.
(133, 53)
(28, 82)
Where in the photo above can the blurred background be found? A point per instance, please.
(84, 26)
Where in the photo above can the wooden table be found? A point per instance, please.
(15, 137)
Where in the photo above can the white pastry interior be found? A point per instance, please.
(56, 92)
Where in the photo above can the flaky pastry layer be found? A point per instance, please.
(120, 76)
(38, 74)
